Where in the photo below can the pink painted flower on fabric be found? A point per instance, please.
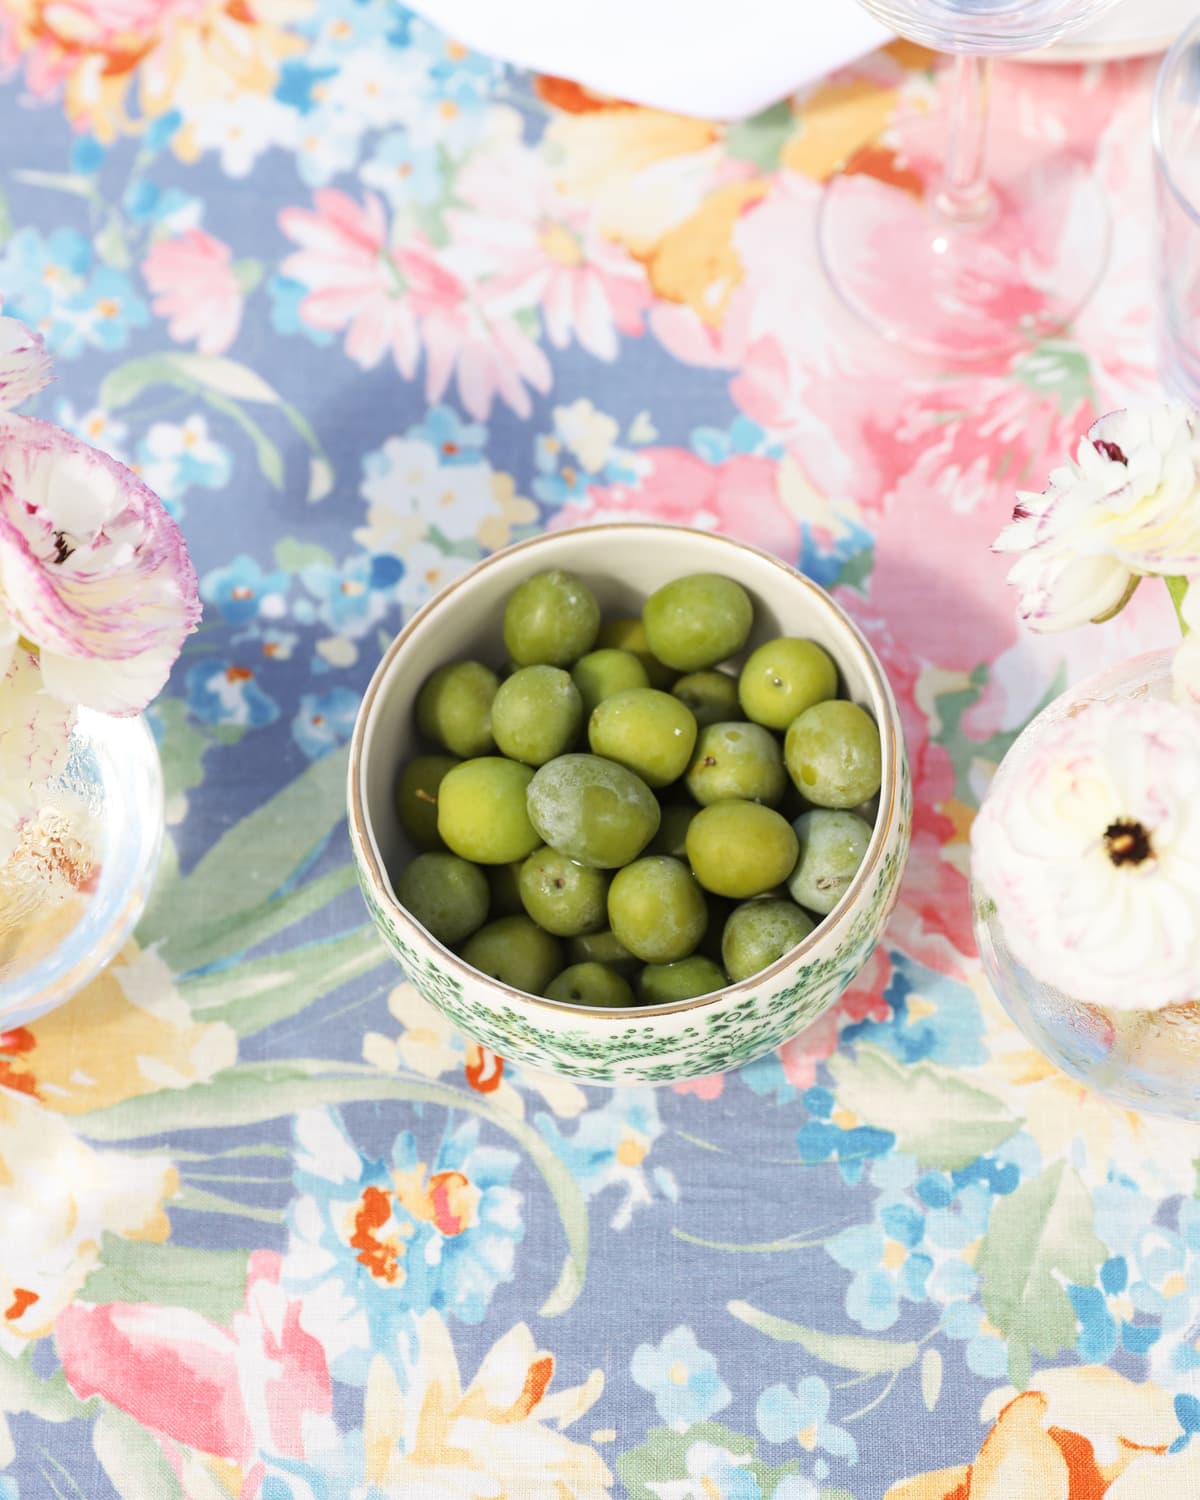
(93, 571)
(196, 289)
(402, 300)
(738, 498)
(1087, 844)
(25, 364)
(231, 1392)
(535, 248)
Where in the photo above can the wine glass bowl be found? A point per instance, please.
(940, 255)
(982, 27)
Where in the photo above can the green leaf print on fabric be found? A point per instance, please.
(133, 1458)
(934, 1115)
(849, 1351)
(209, 1282)
(1037, 1237)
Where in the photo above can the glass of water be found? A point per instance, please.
(941, 251)
(1177, 185)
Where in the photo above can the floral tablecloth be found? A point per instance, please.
(362, 306)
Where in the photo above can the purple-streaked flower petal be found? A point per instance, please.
(92, 568)
(25, 363)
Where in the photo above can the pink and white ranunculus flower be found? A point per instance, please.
(1089, 844)
(1126, 506)
(25, 364)
(93, 572)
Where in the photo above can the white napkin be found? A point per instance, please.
(712, 58)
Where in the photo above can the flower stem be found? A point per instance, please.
(1177, 587)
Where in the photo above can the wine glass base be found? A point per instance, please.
(963, 292)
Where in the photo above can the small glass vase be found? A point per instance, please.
(79, 881)
(1145, 1059)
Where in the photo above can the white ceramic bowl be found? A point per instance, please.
(647, 1044)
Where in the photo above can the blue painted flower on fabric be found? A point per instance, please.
(327, 144)
(403, 171)
(286, 296)
(802, 1416)
(87, 155)
(175, 457)
(40, 276)
(106, 310)
(378, 1242)
(681, 1377)
(825, 554)
(932, 1017)
(224, 692)
(353, 598)
(340, 27)
(324, 721)
(743, 437)
(243, 591)
(610, 1146)
(456, 441)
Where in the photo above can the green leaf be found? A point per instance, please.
(292, 555)
(1038, 1237)
(132, 1458)
(855, 572)
(127, 382)
(267, 454)
(256, 994)
(931, 1378)
(253, 1093)
(62, 182)
(661, 1459)
(320, 479)
(1177, 587)
(50, 1398)
(5, 222)
(933, 1112)
(247, 865)
(849, 1351)
(215, 372)
(111, 244)
(206, 943)
(1058, 368)
(209, 1282)
(762, 138)
(181, 748)
(247, 274)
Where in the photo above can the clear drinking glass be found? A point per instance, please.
(1177, 185)
(946, 256)
(82, 875)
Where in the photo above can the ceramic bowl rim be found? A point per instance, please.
(367, 853)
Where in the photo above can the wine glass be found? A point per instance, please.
(930, 247)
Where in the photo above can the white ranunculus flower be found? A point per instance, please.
(1129, 504)
(1089, 844)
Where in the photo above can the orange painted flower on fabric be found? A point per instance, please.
(174, 54)
(500, 1436)
(1084, 1433)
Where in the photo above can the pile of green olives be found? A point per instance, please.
(618, 817)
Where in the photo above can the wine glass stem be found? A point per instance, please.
(965, 196)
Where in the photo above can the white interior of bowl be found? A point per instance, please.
(622, 564)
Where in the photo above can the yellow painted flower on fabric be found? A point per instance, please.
(641, 171)
(495, 531)
(58, 1198)
(835, 121)
(1084, 1433)
(502, 1436)
(1070, 1121)
(127, 1033)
